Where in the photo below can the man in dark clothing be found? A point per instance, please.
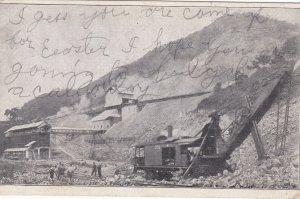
(213, 131)
(58, 170)
(70, 171)
(94, 171)
(99, 169)
(62, 170)
(51, 172)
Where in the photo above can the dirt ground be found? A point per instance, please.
(37, 172)
(276, 172)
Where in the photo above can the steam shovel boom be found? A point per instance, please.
(258, 109)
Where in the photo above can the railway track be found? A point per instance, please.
(160, 184)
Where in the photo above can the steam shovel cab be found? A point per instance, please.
(159, 159)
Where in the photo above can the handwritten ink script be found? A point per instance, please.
(63, 50)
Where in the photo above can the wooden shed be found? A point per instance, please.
(28, 141)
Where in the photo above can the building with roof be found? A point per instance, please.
(116, 97)
(106, 119)
(28, 141)
(4, 125)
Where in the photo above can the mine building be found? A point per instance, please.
(124, 100)
(4, 125)
(116, 97)
(106, 119)
(28, 141)
(120, 104)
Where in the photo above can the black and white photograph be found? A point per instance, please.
(138, 95)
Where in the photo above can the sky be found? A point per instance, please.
(30, 34)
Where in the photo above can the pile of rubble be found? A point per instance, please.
(275, 172)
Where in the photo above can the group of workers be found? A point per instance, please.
(97, 168)
(60, 170)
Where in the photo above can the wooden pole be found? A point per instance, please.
(256, 137)
(195, 158)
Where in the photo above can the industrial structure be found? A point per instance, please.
(33, 141)
(115, 109)
(121, 104)
(28, 141)
(106, 119)
(167, 154)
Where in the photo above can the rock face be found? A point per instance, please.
(280, 170)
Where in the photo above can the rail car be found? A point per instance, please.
(168, 154)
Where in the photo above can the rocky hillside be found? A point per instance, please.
(191, 64)
(196, 63)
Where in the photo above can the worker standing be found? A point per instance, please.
(94, 171)
(99, 169)
(213, 131)
(62, 170)
(51, 172)
(70, 171)
(57, 170)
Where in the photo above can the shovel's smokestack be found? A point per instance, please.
(170, 129)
